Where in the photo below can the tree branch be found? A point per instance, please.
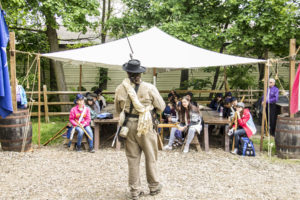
(87, 38)
(26, 29)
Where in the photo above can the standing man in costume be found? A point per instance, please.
(139, 100)
(272, 98)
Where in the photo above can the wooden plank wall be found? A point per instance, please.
(165, 80)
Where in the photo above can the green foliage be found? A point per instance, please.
(103, 78)
(80, 45)
(241, 77)
(108, 98)
(197, 84)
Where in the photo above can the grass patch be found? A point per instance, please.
(48, 129)
(265, 144)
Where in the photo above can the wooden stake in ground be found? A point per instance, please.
(46, 103)
(13, 70)
(262, 130)
(292, 68)
(39, 99)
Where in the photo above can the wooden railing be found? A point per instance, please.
(250, 97)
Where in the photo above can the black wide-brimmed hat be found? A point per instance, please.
(134, 66)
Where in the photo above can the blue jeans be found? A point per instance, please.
(237, 134)
(81, 133)
(190, 136)
(69, 134)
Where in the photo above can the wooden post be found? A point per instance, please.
(39, 99)
(80, 77)
(292, 68)
(154, 76)
(13, 75)
(46, 104)
(262, 130)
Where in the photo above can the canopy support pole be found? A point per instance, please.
(262, 130)
(80, 77)
(292, 69)
(39, 99)
(154, 76)
(13, 76)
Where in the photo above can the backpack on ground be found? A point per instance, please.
(246, 147)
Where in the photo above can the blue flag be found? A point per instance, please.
(6, 107)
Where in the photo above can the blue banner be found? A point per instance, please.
(6, 107)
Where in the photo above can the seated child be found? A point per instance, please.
(190, 122)
(21, 96)
(245, 125)
(100, 98)
(81, 114)
(216, 103)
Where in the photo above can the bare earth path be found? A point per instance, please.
(56, 173)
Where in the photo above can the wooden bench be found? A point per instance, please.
(84, 142)
(97, 133)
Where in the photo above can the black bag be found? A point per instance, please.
(246, 147)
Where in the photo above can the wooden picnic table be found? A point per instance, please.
(98, 123)
(211, 117)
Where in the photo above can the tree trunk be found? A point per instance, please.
(217, 73)
(261, 69)
(103, 34)
(183, 78)
(103, 78)
(57, 66)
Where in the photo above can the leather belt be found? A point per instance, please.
(131, 115)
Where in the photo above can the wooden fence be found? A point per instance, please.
(201, 97)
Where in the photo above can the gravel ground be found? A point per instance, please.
(57, 173)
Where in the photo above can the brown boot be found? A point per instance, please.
(157, 191)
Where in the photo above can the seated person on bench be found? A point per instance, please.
(245, 127)
(216, 103)
(81, 114)
(90, 104)
(169, 115)
(190, 122)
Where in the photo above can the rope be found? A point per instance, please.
(30, 110)
(27, 68)
(24, 52)
(27, 74)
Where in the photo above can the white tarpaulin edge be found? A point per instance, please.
(154, 48)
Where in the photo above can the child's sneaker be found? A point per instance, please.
(186, 149)
(235, 151)
(167, 147)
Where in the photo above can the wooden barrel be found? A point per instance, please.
(287, 137)
(13, 130)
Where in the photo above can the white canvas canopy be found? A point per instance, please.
(154, 48)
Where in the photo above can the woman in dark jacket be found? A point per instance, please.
(190, 122)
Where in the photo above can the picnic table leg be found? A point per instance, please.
(226, 138)
(206, 142)
(97, 136)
